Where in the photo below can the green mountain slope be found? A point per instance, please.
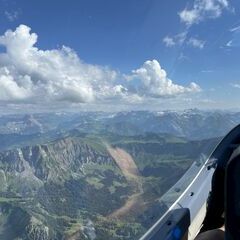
(90, 186)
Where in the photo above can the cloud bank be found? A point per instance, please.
(32, 75)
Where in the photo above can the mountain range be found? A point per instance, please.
(96, 175)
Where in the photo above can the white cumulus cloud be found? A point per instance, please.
(178, 39)
(203, 9)
(56, 74)
(32, 75)
(197, 43)
(169, 41)
(154, 81)
(9, 89)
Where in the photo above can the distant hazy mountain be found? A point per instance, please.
(192, 124)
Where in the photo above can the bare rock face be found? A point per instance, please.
(41, 163)
(40, 184)
(36, 230)
(3, 181)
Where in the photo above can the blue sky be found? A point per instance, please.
(148, 53)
